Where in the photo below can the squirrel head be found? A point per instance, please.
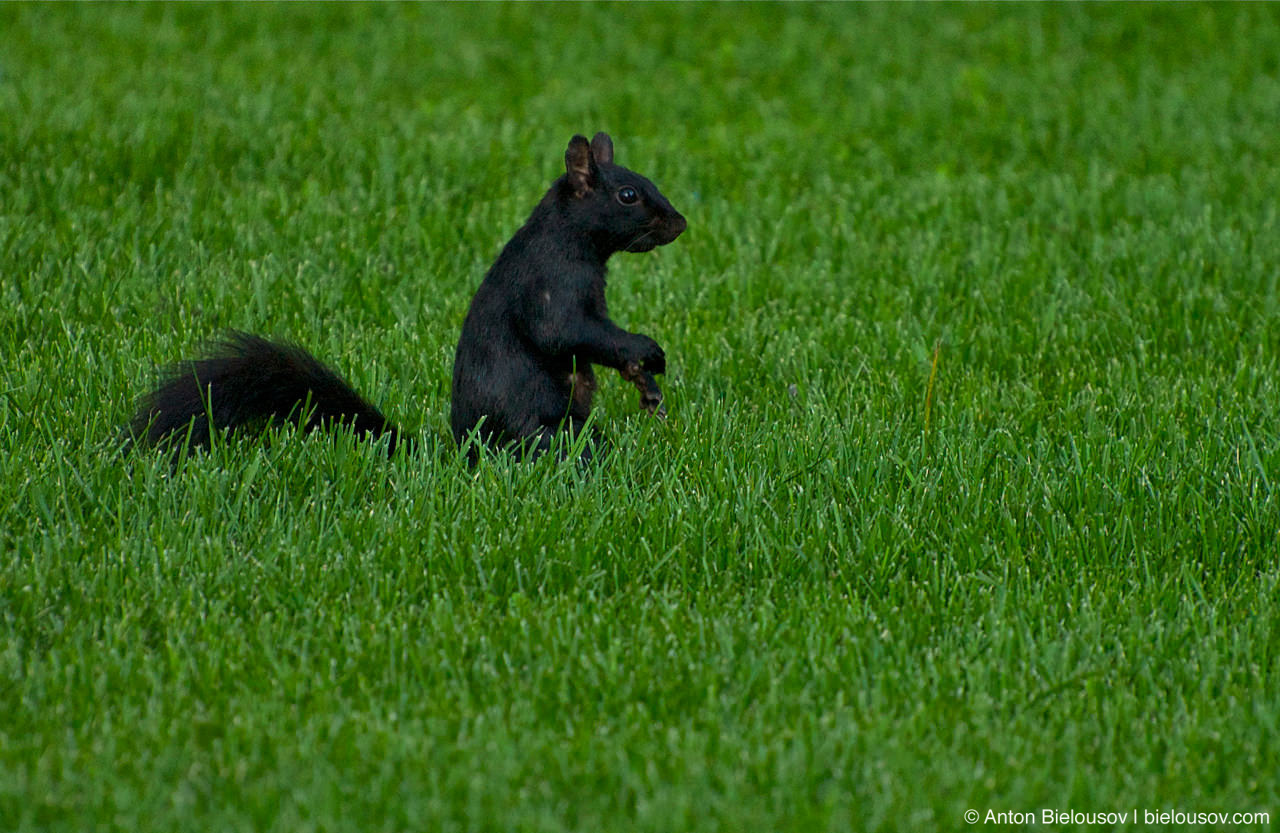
(620, 209)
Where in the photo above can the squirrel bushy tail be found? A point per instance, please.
(248, 381)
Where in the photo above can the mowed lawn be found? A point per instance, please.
(967, 499)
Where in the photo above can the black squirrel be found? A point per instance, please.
(522, 371)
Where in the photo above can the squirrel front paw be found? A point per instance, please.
(650, 395)
(649, 355)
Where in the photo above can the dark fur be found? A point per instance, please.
(246, 383)
(523, 366)
(539, 320)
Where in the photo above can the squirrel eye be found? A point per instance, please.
(628, 195)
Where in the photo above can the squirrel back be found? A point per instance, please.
(522, 371)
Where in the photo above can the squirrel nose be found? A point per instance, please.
(677, 225)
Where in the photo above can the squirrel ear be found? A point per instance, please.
(579, 165)
(602, 149)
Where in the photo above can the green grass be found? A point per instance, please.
(793, 606)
